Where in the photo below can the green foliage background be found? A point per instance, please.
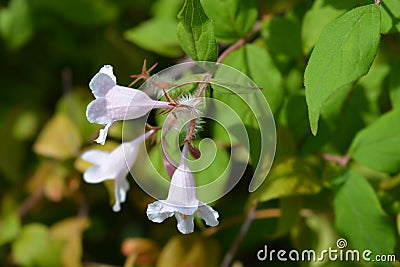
(330, 70)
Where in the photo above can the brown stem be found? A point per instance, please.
(240, 42)
(200, 92)
(83, 208)
(231, 48)
(341, 160)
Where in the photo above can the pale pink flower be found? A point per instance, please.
(182, 201)
(114, 102)
(114, 165)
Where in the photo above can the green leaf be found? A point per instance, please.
(291, 177)
(252, 108)
(394, 85)
(157, 35)
(256, 63)
(360, 218)
(344, 52)
(26, 125)
(378, 145)
(232, 19)
(321, 13)
(10, 225)
(240, 123)
(294, 115)
(334, 106)
(290, 215)
(373, 86)
(16, 26)
(286, 147)
(33, 247)
(390, 10)
(282, 36)
(212, 167)
(196, 32)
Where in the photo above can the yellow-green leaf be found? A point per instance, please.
(33, 247)
(291, 177)
(191, 250)
(59, 139)
(69, 233)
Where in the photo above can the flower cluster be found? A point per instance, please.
(114, 103)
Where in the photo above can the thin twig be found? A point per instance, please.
(66, 77)
(260, 214)
(231, 48)
(83, 209)
(30, 202)
(251, 215)
(341, 160)
(240, 42)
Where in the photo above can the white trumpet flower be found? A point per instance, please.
(182, 201)
(114, 165)
(114, 102)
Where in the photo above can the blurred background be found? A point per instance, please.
(49, 51)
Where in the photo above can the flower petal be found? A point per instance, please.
(96, 111)
(156, 213)
(102, 82)
(108, 69)
(93, 175)
(130, 151)
(121, 186)
(185, 223)
(182, 190)
(95, 156)
(208, 214)
(101, 139)
(184, 210)
(116, 207)
(124, 103)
